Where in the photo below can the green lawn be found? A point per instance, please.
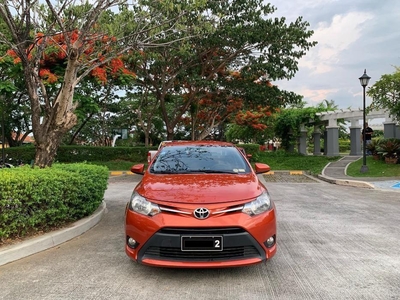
(376, 168)
(287, 161)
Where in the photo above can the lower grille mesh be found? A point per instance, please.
(240, 252)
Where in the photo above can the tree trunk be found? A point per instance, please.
(46, 149)
(146, 138)
(170, 134)
(58, 116)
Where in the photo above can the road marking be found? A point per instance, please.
(296, 172)
(396, 186)
(116, 173)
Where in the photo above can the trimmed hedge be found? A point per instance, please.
(71, 154)
(35, 200)
(252, 149)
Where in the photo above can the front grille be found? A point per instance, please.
(240, 252)
(200, 231)
(166, 245)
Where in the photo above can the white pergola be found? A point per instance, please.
(353, 116)
(332, 130)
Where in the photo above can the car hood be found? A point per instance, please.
(196, 189)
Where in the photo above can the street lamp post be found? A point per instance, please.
(364, 79)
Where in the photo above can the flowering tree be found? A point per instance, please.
(59, 43)
(234, 35)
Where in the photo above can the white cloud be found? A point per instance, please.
(316, 95)
(352, 36)
(333, 38)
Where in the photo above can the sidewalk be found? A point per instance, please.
(335, 172)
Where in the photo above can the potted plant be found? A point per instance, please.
(389, 149)
(373, 148)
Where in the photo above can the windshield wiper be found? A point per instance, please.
(212, 171)
(169, 171)
(162, 172)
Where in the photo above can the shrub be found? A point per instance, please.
(373, 146)
(33, 199)
(389, 147)
(252, 149)
(344, 145)
(73, 154)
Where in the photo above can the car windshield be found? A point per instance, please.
(199, 159)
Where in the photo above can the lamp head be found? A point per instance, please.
(364, 79)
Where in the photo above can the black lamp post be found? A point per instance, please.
(364, 79)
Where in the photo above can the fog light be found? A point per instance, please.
(132, 243)
(270, 242)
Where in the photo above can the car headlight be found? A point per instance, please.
(140, 205)
(258, 206)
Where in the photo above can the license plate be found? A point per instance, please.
(201, 243)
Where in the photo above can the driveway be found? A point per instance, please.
(334, 242)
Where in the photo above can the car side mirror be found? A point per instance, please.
(138, 169)
(261, 168)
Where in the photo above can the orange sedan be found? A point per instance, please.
(200, 204)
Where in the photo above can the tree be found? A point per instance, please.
(146, 111)
(234, 36)
(385, 93)
(73, 32)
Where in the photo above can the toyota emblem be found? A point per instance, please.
(201, 213)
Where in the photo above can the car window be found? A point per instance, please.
(192, 159)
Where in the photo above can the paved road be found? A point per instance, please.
(335, 242)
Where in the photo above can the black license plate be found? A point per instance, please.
(201, 243)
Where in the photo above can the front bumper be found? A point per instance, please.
(159, 239)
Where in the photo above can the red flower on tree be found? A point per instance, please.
(51, 67)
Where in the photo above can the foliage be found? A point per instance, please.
(117, 165)
(389, 147)
(251, 126)
(52, 66)
(60, 43)
(344, 145)
(77, 54)
(33, 199)
(385, 93)
(289, 121)
(74, 154)
(373, 146)
(252, 149)
(200, 78)
(139, 112)
(13, 101)
(379, 133)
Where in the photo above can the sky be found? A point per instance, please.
(352, 35)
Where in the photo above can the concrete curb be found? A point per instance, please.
(51, 239)
(355, 183)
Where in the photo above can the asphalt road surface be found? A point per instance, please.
(334, 242)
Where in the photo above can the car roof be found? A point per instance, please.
(198, 143)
